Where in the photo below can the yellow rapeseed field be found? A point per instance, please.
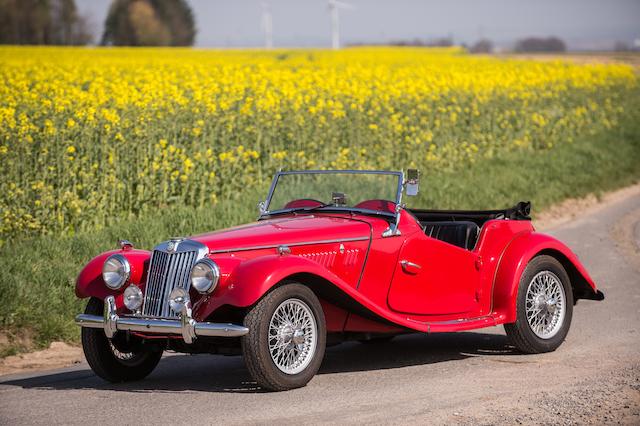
(89, 135)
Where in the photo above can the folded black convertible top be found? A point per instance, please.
(520, 211)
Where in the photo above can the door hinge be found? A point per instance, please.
(478, 262)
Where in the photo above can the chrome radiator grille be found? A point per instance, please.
(169, 269)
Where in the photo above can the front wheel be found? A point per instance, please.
(286, 340)
(544, 307)
(121, 359)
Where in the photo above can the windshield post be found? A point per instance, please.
(394, 228)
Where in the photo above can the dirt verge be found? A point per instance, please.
(57, 355)
(573, 208)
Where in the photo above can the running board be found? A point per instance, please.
(457, 325)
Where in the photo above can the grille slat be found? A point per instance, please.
(167, 271)
(152, 289)
(155, 306)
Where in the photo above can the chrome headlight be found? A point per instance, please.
(204, 276)
(133, 297)
(116, 271)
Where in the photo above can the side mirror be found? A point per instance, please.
(339, 198)
(411, 184)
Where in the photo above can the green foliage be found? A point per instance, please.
(38, 274)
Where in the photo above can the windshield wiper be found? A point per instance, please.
(313, 208)
(299, 209)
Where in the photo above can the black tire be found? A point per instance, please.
(255, 345)
(99, 352)
(520, 333)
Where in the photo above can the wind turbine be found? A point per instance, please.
(334, 7)
(267, 25)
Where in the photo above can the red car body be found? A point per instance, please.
(366, 283)
(308, 272)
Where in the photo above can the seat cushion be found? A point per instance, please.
(460, 233)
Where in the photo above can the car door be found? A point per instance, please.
(432, 277)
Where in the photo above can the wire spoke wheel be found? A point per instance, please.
(545, 304)
(122, 356)
(293, 336)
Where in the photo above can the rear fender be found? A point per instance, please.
(513, 262)
(90, 284)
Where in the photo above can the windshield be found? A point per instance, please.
(351, 190)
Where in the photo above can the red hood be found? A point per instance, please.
(288, 230)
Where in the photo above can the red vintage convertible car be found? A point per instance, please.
(334, 255)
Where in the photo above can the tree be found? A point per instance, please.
(482, 46)
(149, 23)
(537, 44)
(42, 22)
(67, 25)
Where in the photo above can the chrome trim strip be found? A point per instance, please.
(186, 326)
(270, 246)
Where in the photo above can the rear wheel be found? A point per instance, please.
(544, 307)
(121, 359)
(287, 337)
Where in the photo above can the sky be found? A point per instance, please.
(583, 24)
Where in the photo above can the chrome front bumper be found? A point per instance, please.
(185, 326)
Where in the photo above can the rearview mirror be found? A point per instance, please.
(411, 184)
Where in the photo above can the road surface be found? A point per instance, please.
(465, 378)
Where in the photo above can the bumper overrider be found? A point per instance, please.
(186, 326)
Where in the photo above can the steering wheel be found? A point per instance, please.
(303, 202)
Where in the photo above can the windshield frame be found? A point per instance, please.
(265, 212)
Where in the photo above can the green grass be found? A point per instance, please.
(38, 274)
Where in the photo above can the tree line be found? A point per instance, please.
(128, 23)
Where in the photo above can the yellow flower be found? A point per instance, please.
(77, 124)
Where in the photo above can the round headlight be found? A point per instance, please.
(204, 276)
(178, 298)
(133, 297)
(116, 271)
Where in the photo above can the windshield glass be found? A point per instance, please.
(338, 189)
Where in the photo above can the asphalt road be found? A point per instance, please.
(463, 378)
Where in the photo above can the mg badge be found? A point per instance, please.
(173, 245)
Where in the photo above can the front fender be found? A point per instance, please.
(252, 279)
(90, 284)
(514, 260)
